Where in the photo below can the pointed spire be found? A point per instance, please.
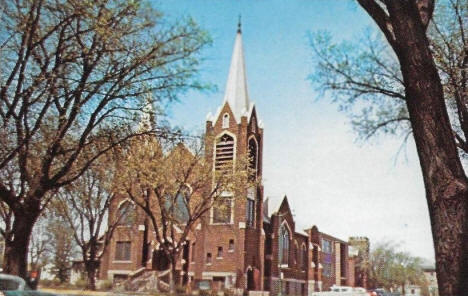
(236, 93)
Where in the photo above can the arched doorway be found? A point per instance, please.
(160, 260)
(250, 279)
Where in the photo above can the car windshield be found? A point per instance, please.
(8, 285)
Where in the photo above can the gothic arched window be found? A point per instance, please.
(223, 210)
(283, 245)
(176, 207)
(304, 257)
(253, 156)
(297, 254)
(226, 120)
(126, 213)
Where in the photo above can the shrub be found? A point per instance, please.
(154, 292)
(46, 283)
(65, 285)
(229, 292)
(55, 282)
(105, 285)
(81, 284)
(180, 290)
(205, 293)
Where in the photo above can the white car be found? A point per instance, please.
(12, 285)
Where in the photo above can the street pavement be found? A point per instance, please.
(92, 293)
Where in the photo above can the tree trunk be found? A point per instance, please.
(444, 178)
(16, 249)
(156, 278)
(172, 276)
(91, 275)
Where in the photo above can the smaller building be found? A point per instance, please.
(431, 279)
(299, 263)
(287, 255)
(331, 257)
(412, 290)
(360, 247)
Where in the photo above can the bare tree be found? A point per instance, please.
(84, 206)
(420, 91)
(39, 246)
(74, 73)
(175, 186)
(60, 247)
(363, 74)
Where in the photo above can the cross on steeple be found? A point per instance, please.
(239, 25)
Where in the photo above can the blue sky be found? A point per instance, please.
(310, 152)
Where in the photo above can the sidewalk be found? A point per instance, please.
(75, 292)
(92, 293)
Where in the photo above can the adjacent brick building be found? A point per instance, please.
(246, 247)
(361, 246)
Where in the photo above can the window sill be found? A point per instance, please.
(284, 266)
(230, 251)
(219, 258)
(208, 264)
(122, 261)
(221, 223)
(193, 262)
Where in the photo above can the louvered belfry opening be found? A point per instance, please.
(253, 158)
(224, 153)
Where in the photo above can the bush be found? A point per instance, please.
(81, 284)
(65, 285)
(105, 285)
(154, 292)
(55, 282)
(229, 292)
(206, 293)
(46, 283)
(180, 290)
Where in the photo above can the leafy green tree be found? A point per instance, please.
(173, 183)
(393, 269)
(413, 81)
(74, 73)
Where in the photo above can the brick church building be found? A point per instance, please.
(248, 249)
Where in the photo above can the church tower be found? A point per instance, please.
(233, 244)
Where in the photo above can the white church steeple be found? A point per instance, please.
(236, 93)
(147, 117)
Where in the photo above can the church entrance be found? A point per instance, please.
(185, 265)
(250, 280)
(160, 260)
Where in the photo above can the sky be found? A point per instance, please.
(345, 187)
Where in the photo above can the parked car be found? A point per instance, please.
(382, 292)
(342, 291)
(11, 285)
